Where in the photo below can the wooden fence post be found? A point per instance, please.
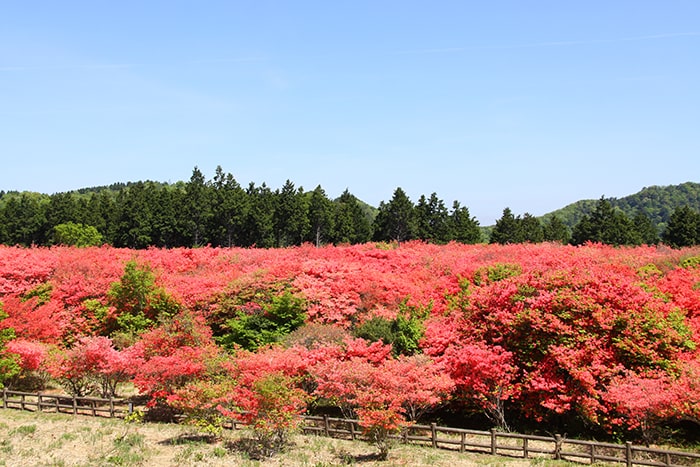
(628, 453)
(433, 435)
(557, 447)
(38, 402)
(4, 398)
(493, 442)
(526, 454)
(326, 425)
(75, 406)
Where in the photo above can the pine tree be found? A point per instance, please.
(555, 230)
(395, 220)
(507, 229)
(463, 227)
(320, 216)
(683, 228)
(531, 229)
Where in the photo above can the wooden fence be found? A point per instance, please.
(457, 439)
(512, 444)
(39, 402)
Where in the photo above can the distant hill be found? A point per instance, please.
(657, 202)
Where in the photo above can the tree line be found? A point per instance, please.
(221, 212)
(604, 224)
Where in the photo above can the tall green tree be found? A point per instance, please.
(555, 230)
(350, 223)
(395, 220)
(258, 227)
(605, 225)
(229, 210)
(432, 220)
(290, 221)
(197, 208)
(531, 229)
(25, 219)
(321, 216)
(463, 227)
(101, 212)
(166, 230)
(134, 218)
(683, 228)
(645, 228)
(507, 229)
(61, 208)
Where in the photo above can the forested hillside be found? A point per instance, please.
(655, 202)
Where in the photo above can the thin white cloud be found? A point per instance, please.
(111, 66)
(550, 43)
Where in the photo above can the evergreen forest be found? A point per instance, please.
(222, 212)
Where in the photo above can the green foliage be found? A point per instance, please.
(649, 270)
(403, 332)
(97, 309)
(690, 263)
(73, 234)
(41, 292)
(495, 273)
(257, 326)
(9, 366)
(138, 301)
(664, 335)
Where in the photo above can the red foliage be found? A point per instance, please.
(171, 355)
(34, 321)
(568, 324)
(91, 364)
(31, 354)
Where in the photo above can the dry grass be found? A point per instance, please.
(43, 439)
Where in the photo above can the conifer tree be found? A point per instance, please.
(395, 220)
(683, 228)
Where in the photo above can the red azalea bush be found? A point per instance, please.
(540, 332)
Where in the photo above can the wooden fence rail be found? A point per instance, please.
(40, 402)
(457, 439)
(511, 444)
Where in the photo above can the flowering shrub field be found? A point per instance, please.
(606, 337)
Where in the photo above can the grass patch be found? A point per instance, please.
(25, 430)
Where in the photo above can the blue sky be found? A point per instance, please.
(530, 105)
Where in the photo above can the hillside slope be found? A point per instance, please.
(657, 202)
